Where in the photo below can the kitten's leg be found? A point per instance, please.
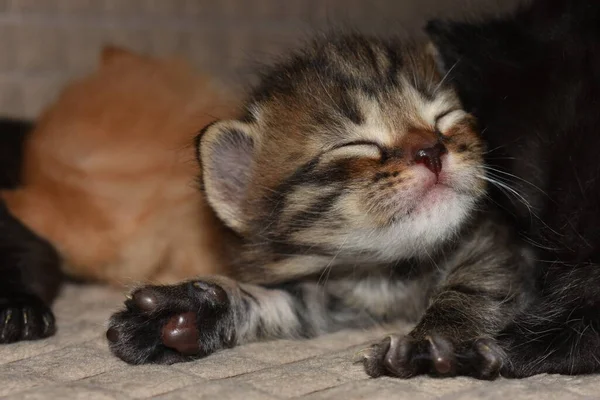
(559, 333)
(29, 280)
(173, 323)
(485, 288)
(167, 324)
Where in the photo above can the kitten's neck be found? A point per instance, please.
(254, 263)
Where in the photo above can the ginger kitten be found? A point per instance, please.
(109, 176)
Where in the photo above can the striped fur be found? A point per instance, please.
(329, 139)
(339, 223)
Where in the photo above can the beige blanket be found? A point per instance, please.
(76, 364)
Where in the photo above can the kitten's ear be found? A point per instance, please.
(226, 152)
(444, 45)
(111, 54)
(433, 51)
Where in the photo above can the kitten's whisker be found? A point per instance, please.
(497, 180)
(538, 245)
(505, 188)
(439, 85)
(328, 267)
(488, 168)
(501, 185)
(432, 260)
(494, 149)
(496, 203)
(501, 158)
(501, 146)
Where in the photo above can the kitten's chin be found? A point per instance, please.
(435, 196)
(444, 198)
(438, 217)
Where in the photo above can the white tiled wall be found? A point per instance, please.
(44, 43)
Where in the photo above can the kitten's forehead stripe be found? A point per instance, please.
(350, 62)
(350, 109)
(393, 64)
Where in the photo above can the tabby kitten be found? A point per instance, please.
(354, 183)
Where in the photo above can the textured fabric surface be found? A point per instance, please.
(76, 364)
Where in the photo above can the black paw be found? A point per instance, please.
(168, 324)
(405, 357)
(24, 317)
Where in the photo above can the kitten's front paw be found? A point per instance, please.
(405, 357)
(24, 317)
(168, 324)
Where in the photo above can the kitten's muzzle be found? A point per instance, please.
(431, 157)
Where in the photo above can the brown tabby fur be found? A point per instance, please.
(109, 175)
(342, 221)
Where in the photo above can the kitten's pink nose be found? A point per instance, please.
(431, 157)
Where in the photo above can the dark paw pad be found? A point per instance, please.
(145, 299)
(181, 334)
(167, 324)
(404, 357)
(25, 317)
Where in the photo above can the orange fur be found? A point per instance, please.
(109, 175)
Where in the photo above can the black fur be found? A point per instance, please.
(12, 137)
(29, 266)
(533, 81)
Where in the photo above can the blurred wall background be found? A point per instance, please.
(44, 43)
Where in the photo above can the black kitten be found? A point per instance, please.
(29, 266)
(533, 81)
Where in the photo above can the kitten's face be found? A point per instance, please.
(358, 151)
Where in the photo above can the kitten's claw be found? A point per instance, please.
(405, 357)
(25, 317)
(491, 358)
(442, 355)
(398, 355)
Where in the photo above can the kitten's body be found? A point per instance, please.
(316, 223)
(109, 173)
(354, 183)
(109, 179)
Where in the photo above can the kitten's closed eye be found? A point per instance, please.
(448, 119)
(355, 149)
